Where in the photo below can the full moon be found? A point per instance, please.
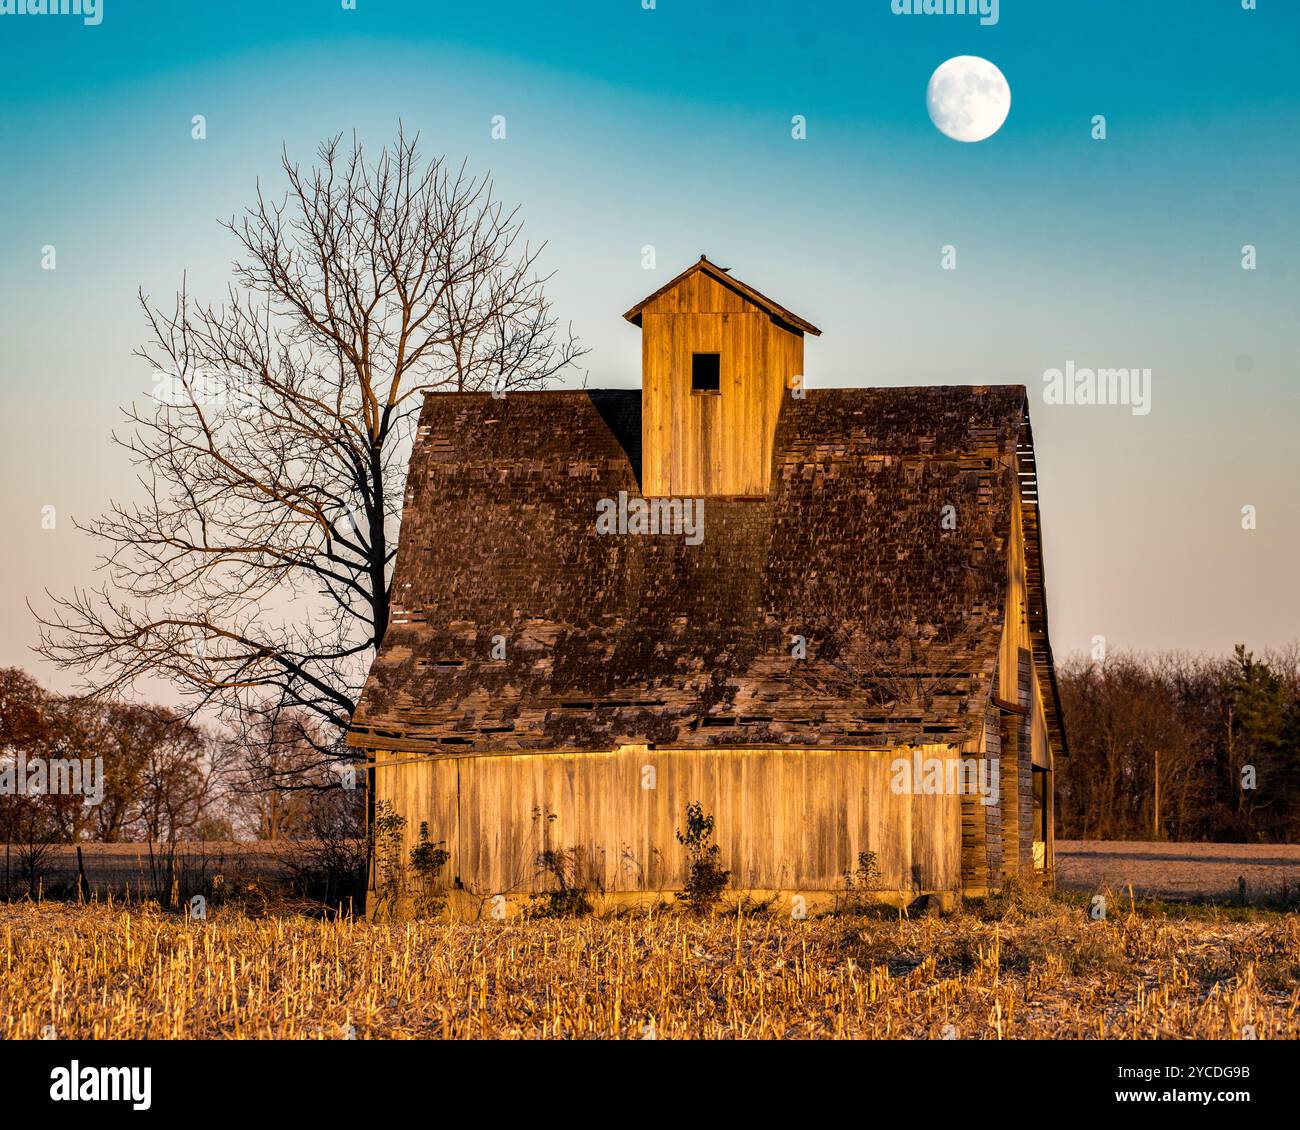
(968, 98)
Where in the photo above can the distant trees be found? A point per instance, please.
(162, 778)
(166, 779)
(1181, 748)
(30, 727)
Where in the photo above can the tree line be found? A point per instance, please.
(1181, 747)
(161, 778)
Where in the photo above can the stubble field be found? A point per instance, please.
(1026, 965)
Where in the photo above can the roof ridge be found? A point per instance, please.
(724, 277)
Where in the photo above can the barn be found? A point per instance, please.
(817, 613)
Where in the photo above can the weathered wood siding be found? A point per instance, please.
(1023, 739)
(695, 444)
(998, 840)
(1015, 630)
(981, 824)
(785, 819)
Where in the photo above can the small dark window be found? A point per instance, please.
(706, 372)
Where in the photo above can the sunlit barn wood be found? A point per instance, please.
(854, 658)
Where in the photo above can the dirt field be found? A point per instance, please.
(119, 869)
(1179, 871)
(1161, 870)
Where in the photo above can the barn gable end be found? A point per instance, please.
(862, 603)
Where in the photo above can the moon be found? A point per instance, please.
(968, 98)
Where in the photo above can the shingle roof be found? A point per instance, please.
(614, 639)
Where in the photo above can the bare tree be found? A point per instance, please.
(255, 574)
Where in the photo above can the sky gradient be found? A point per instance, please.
(671, 127)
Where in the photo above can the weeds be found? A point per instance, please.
(860, 884)
(427, 861)
(705, 877)
(568, 898)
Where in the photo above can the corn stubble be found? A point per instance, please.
(108, 972)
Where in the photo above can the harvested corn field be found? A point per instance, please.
(1028, 966)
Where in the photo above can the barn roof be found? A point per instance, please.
(788, 319)
(623, 638)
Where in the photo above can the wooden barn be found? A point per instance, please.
(843, 651)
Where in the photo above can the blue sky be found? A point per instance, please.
(671, 127)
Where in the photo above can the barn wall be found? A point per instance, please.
(788, 820)
(1043, 757)
(1024, 741)
(1015, 632)
(981, 832)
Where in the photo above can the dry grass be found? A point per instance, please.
(1021, 967)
